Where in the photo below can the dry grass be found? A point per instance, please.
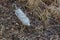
(43, 14)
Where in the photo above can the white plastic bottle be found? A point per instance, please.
(22, 17)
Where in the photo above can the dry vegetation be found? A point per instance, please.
(43, 14)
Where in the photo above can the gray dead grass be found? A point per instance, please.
(43, 14)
